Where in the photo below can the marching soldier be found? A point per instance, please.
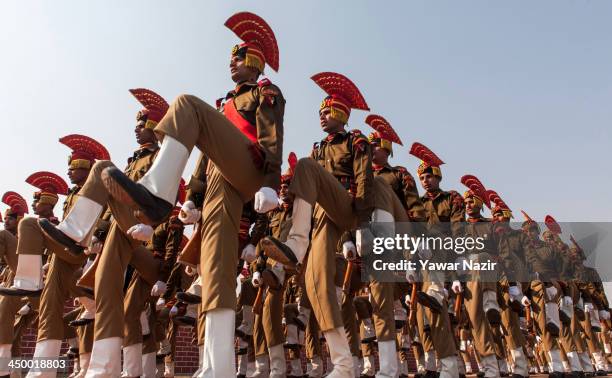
(251, 128)
(9, 306)
(514, 245)
(123, 243)
(543, 261)
(445, 214)
(335, 186)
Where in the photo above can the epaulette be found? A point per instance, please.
(360, 141)
(268, 91)
(219, 102)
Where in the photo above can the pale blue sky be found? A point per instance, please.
(518, 93)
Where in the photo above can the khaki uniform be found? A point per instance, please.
(237, 169)
(338, 179)
(477, 283)
(119, 249)
(445, 214)
(403, 185)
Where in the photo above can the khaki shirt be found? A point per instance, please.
(262, 104)
(347, 156)
(404, 186)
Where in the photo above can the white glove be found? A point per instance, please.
(410, 276)
(24, 310)
(142, 232)
(266, 199)
(256, 281)
(190, 271)
(349, 250)
(248, 253)
(160, 304)
(514, 291)
(456, 287)
(407, 300)
(189, 214)
(604, 314)
(525, 301)
(568, 301)
(588, 307)
(95, 247)
(551, 292)
(158, 289)
(364, 241)
(173, 311)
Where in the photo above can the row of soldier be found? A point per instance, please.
(299, 235)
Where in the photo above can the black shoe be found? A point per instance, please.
(14, 292)
(553, 329)
(461, 375)
(241, 376)
(80, 322)
(555, 374)
(278, 251)
(480, 374)
(601, 373)
(428, 301)
(71, 353)
(517, 376)
(59, 237)
(185, 320)
(430, 374)
(503, 374)
(152, 210)
(566, 320)
(189, 298)
(292, 346)
(494, 317)
(238, 333)
(368, 340)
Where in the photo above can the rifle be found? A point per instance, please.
(413, 304)
(190, 255)
(346, 284)
(458, 304)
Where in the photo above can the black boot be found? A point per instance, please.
(189, 298)
(59, 237)
(152, 210)
(279, 251)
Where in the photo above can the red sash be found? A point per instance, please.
(248, 129)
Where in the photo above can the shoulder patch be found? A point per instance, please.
(264, 82)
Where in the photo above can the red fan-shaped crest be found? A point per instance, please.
(425, 154)
(495, 199)
(335, 84)
(82, 144)
(292, 160)
(383, 128)
(552, 225)
(155, 104)
(527, 217)
(252, 29)
(48, 182)
(477, 188)
(16, 202)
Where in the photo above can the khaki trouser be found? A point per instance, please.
(511, 322)
(8, 249)
(268, 327)
(60, 285)
(234, 179)
(539, 300)
(135, 302)
(32, 241)
(312, 338)
(119, 250)
(481, 329)
(8, 309)
(333, 214)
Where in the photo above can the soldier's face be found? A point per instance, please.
(429, 182)
(500, 218)
(43, 208)
(532, 233)
(380, 156)
(472, 207)
(10, 224)
(77, 176)
(240, 72)
(144, 135)
(284, 193)
(329, 124)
